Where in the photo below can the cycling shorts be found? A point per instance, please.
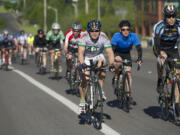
(95, 59)
(124, 55)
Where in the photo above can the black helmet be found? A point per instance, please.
(124, 23)
(22, 32)
(40, 31)
(76, 26)
(94, 25)
(170, 10)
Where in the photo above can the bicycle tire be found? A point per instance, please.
(175, 118)
(125, 101)
(98, 107)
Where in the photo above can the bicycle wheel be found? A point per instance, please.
(164, 100)
(56, 69)
(6, 62)
(119, 91)
(126, 91)
(76, 83)
(175, 118)
(98, 107)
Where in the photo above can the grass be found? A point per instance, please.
(29, 28)
(2, 23)
(3, 10)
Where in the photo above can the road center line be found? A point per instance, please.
(73, 107)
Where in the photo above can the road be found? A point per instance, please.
(33, 104)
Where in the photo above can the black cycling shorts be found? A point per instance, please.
(172, 54)
(72, 50)
(124, 55)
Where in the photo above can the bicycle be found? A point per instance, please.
(6, 58)
(73, 78)
(40, 61)
(122, 86)
(94, 98)
(56, 64)
(167, 93)
(21, 54)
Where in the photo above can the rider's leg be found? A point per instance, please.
(10, 56)
(118, 64)
(68, 61)
(44, 59)
(130, 79)
(159, 69)
(3, 55)
(52, 58)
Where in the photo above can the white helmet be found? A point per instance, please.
(5, 32)
(55, 26)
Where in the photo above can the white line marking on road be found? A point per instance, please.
(73, 107)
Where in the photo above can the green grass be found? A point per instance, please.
(3, 10)
(29, 28)
(2, 23)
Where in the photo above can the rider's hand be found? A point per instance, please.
(112, 68)
(139, 61)
(82, 66)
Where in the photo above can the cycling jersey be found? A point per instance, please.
(30, 40)
(123, 44)
(93, 49)
(40, 42)
(71, 40)
(54, 39)
(6, 42)
(22, 39)
(165, 36)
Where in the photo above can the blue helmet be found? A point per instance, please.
(94, 25)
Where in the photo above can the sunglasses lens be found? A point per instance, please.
(125, 29)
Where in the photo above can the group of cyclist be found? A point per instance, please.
(91, 44)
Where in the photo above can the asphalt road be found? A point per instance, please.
(27, 109)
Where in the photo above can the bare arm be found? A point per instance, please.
(110, 55)
(81, 51)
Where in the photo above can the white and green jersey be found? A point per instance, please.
(93, 49)
(55, 39)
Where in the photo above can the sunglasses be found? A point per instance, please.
(94, 31)
(125, 29)
(76, 31)
(170, 16)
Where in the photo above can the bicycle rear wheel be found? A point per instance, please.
(175, 117)
(164, 101)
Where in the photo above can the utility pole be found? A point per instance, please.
(24, 4)
(99, 10)
(45, 16)
(86, 7)
(74, 4)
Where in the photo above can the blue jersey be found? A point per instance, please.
(123, 44)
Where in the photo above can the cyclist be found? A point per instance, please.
(39, 43)
(166, 34)
(6, 43)
(30, 41)
(55, 39)
(22, 44)
(122, 43)
(71, 44)
(91, 46)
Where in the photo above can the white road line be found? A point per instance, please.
(73, 107)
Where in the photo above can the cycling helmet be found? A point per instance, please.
(40, 31)
(124, 23)
(76, 26)
(55, 26)
(30, 35)
(5, 32)
(93, 25)
(170, 10)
